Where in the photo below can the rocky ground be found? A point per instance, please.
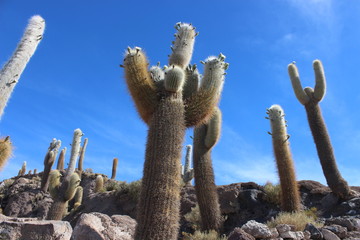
(110, 214)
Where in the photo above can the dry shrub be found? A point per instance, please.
(197, 235)
(273, 193)
(194, 217)
(298, 219)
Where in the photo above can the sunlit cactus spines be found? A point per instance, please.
(114, 168)
(61, 159)
(183, 45)
(187, 171)
(99, 184)
(49, 160)
(82, 155)
(5, 151)
(12, 70)
(75, 151)
(290, 197)
(310, 98)
(205, 138)
(168, 112)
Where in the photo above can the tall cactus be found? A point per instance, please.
(5, 151)
(310, 98)
(161, 104)
(114, 168)
(290, 196)
(12, 70)
(61, 159)
(82, 155)
(64, 191)
(205, 138)
(187, 172)
(49, 160)
(99, 184)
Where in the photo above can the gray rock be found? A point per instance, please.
(340, 231)
(314, 231)
(98, 226)
(283, 228)
(257, 230)
(33, 229)
(239, 234)
(351, 223)
(328, 235)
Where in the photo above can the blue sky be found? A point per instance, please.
(74, 80)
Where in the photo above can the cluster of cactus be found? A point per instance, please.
(187, 173)
(49, 160)
(12, 70)
(63, 191)
(205, 138)
(310, 98)
(290, 195)
(169, 101)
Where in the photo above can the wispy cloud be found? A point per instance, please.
(321, 11)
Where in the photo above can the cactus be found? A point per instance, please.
(5, 151)
(61, 159)
(82, 155)
(205, 138)
(78, 197)
(35, 171)
(99, 184)
(187, 172)
(114, 168)
(161, 104)
(11, 72)
(48, 163)
(64, 191)
(310, 98)
(22, 170)
(290, 196)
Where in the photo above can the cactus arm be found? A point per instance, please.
(82, 155)
(191, 85)
(199, 107)
(48, 163)
(187, 172)
(99, 183)
(183, 45)
(5, 151)
(214, 129)
(290, 199)
(61, 159)
(23, 169)
(114, 168)
(54, 182)
(78, 197)
(71, 186)
(75, 149)
(139, 82)
(11, 72)
(320, 86)
(296, 84)
(174, 79)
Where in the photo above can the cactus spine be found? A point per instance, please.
(290, 196)
(5, 151)
(187, 172)
(82, 155)
(205, 138)
(114, 168)
(161, 105)
(310, 98)
(61, 160)
(64, 191)
(11, 72)
(99, 184)
(48, 163)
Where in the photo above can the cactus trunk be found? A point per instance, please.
(161, 180)
(57, 209)
(325, 151)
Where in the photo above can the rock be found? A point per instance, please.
(329, 201)
(328, 235)
(289, 235)
(239, 234)
(351, 223)
(274, 233)
(299, 235)
(33, 229)
(314, 231)
(340, 231)
(353, 235)
(307, 235)
(98, 226)
(257, 230)
(283, 228)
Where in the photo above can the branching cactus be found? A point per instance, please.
(22, 170)
(310, 98)
(82, 155)
(114, 168)
(5, 151)
(48, 163)
(160, 101)
(64, 191)
(187, 172)
(290, 196)
(61, 159)
(205, 138)
(11, 72)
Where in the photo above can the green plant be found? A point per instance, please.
(161, 105)
(48, 163)
(194, 217)
(205, 138)
(310, 98)
(272, 193)
(298, 219)
(12, 70)
(132, 189)
(290, 196)
(114, 168)
(99, 184)
(5, 151)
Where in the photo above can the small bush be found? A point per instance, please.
(298, 219)
(273, 193)
(194, 217)
(132, 189)
(197, 235)
(112, 185)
